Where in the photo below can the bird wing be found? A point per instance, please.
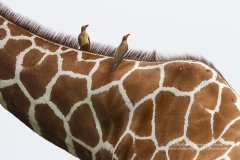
(121, 50)
(89, 40)
(118, 57)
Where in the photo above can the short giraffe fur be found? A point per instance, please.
(180, 109)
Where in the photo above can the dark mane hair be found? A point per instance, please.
(107, 50)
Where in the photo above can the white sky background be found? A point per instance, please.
(210, 28)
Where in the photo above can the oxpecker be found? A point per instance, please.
(119, 54)
(83, 39)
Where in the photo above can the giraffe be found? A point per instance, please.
(178, 109)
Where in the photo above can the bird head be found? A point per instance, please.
(125, 37)
(83, 28)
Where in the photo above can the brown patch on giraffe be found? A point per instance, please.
(3, 34)
(227, 112)
(185, 76)
(170, 111)
(8, 57)
(233, 133)
(142, 119)
(181, 151)
(67, 91)
(112, 113)
(46, 44)
(70, 63)
(82, 152)
(141, 83)
(102, 76)
(199, 118)
(36, 78)
(17, 31)
(32, 58)
(146, 64)
(124, 150)
(214, 151)
(17, 103)
(161, 155)
(88, 56)
(52, 127)
(143, 149)
(103, 154)
(83, 126)
(221, 79)
(64, 48)
(235, 153)
(2, 20)
(207, 97)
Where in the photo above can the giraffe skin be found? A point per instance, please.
(176, 110)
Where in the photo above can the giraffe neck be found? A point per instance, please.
(141, 111)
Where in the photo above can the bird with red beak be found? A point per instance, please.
(83, 39)
(120, 52)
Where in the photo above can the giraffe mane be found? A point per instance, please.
(98, 48)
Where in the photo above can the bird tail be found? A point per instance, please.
(113, 66)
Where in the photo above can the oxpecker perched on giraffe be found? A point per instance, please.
(120, 52)
(83, 39)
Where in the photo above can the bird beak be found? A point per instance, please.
(86, 25)
(128, 34)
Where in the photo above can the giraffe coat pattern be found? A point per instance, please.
(179, 109)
